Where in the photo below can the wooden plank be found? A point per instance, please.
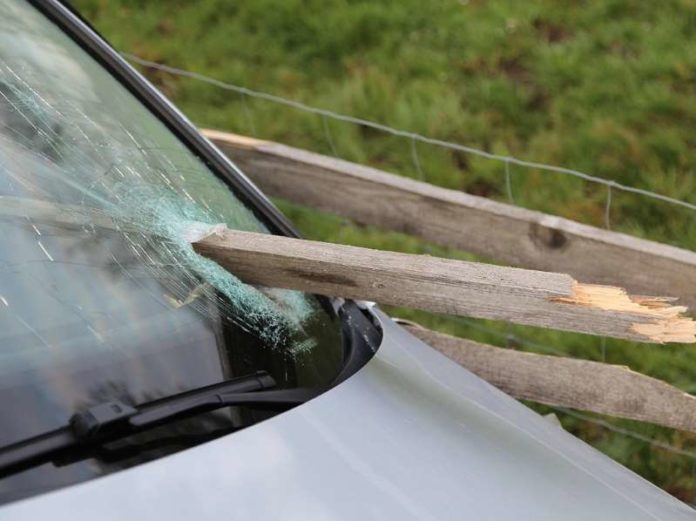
(579, 384)
(500, 232)
(536, 298)
(529, 297)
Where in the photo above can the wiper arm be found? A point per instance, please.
(112, 420)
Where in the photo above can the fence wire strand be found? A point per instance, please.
(416, 159)
(607, 210)
(508, 182)
(247, 115)
(626, 432)
(406, 134)
(328, 136)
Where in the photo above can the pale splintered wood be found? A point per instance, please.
(615, 299)
(578, 384)
(536, 298)
(501, 232)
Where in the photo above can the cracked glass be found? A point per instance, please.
(101, 295)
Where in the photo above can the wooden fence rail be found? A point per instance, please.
(535, 298)
(498, 231)
(579, 384)
(530, 297)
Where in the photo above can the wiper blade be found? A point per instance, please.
(112, 420)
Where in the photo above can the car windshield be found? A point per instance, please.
(101, 295)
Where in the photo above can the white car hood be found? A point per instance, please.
(412, 435)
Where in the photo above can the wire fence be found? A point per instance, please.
(415, 138)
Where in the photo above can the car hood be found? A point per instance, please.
(412, 435)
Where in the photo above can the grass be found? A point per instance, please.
(605, 87)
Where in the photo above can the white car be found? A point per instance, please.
(140, 381)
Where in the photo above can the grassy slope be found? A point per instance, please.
(607, 87)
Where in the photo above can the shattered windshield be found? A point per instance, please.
(101, 295)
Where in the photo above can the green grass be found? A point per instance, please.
(607, 87)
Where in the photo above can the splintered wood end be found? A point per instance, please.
(234, 139)
(663, 321)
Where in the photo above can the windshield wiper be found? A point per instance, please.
(110, 421)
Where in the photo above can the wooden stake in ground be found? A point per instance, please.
(579, 384)
(535, 298)
(501, 232)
